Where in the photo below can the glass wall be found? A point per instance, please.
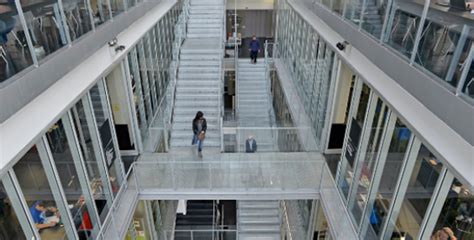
(105, 124)
(310, 62)
(149, 64)
(84, 218)
(437, 41)
(94, 165)
(457, 213)
(43, 208)
(14, 52)
(421, 186)
(352, 143)
(78, 18)
(64, 186)
(43, 27)
(367, 161)
(10, 227)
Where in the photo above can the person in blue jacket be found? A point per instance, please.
(254, 49)
(38, 211)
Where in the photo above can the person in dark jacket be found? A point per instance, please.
(254, 49)
(199, 131)
(250, 145)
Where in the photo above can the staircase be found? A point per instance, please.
(258, 220)
(200, 215)
(205, 19)
(372, 20)
(254, 104)
(199, 74)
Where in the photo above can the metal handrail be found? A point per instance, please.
(181, 27)
(220, 96)
(109, 218)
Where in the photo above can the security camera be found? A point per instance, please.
(119, 48)
(342, 45)
(113, 42)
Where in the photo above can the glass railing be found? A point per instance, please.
(265, 139)
(114, 224)
(211, 234)
(159, 131)
(435, 36)
(285, 177)
(249, 173)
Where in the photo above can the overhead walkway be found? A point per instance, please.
(178, 175)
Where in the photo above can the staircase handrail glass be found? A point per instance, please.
(268, 61)
(181, 27)
(163, 117)
(220, 95)
(282, 176)
(268, 139)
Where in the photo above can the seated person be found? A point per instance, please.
(38, 213)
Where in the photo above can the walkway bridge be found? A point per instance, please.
(237, 176)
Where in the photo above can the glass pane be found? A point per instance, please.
(354, 140)
(365, 169)
(104, 123)
(373, 16)
(402, 28)
(38, 195)
(468, 88)
(117, 7)
(353, 10)
(77, 17)
(9, 226)
(140, 110)
(99, 187)
(47, 32)
(100, 11)
(439, 48)
(130, 3)
(417, 198)
(14, 52)
(388, 180)
(457, 213)
(69, 179)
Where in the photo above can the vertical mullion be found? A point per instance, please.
(446, 179)
(380, 160)
(18, 202)
(149, 69)
(73, 143)
(97, 146)
(333, 89)
(362, 148)
(121, 169)
(55, 184)
(353, 108)
(411, 154)
(131, 103)
(465, 71)
(420, 29)
(24, 24)
(457, 53)
(138, 86)
(146, 87)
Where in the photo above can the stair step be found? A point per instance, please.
(259, 204)
(258, 236)
(262, 212)
(274, 228)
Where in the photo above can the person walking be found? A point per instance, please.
(199, 130)
(250, 145)
(254, 49)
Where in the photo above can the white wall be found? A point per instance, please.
(250, 4)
